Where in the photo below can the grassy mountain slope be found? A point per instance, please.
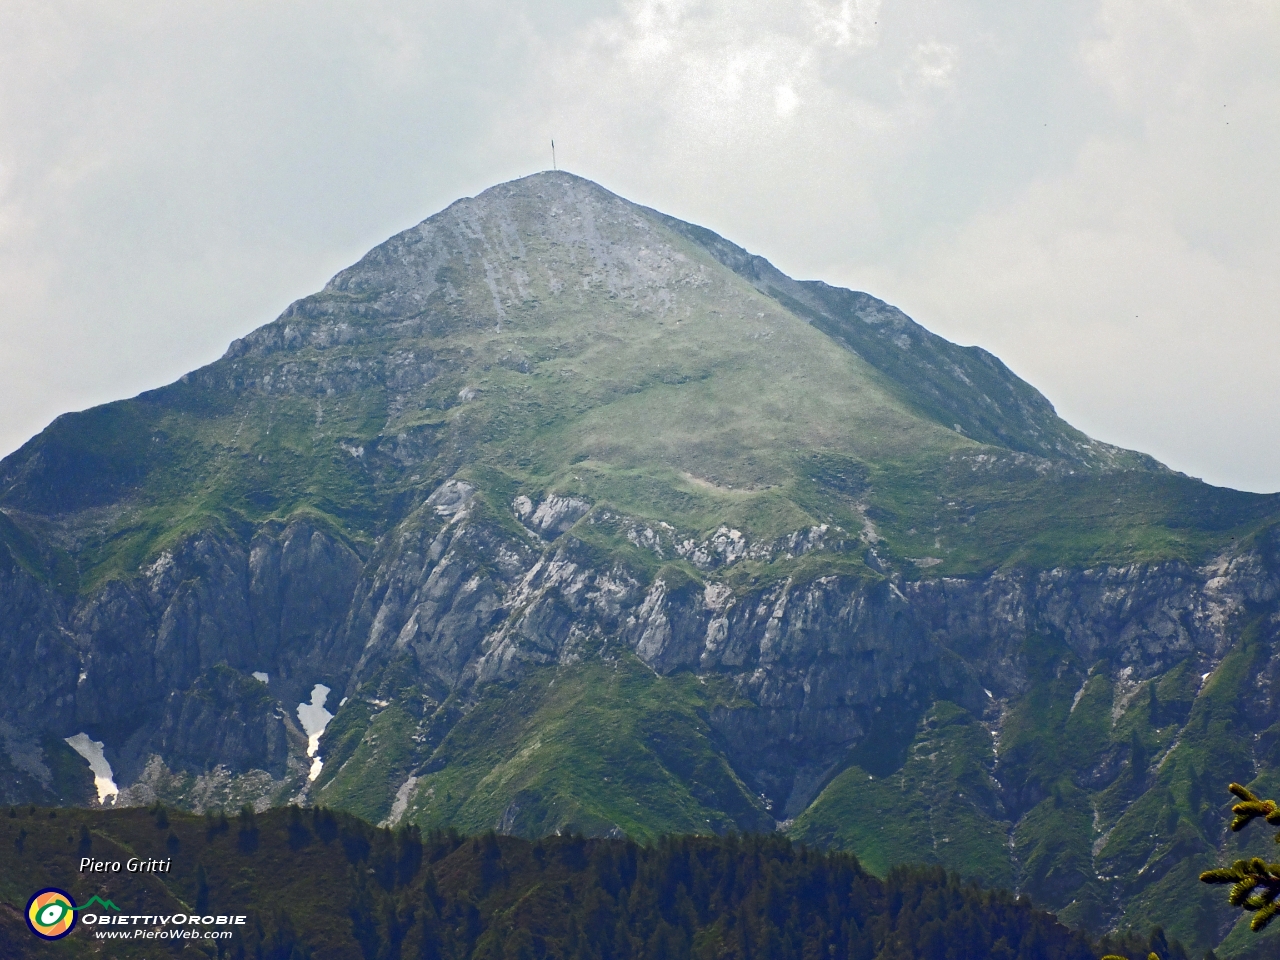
(605, 747)
(940, 806)
(580, 344)
(965, 388)
(1102, 770)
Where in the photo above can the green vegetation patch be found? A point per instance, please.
(606, 745)
(365, 782)
(977, 512)
(940, 807)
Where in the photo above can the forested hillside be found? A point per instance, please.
(327, 886)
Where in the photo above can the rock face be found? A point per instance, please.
(161, 663)
(592, 521)
(459, 603)
(813, 661)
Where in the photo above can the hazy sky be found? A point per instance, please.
(1088, 188)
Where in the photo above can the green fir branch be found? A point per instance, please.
(1255, 884)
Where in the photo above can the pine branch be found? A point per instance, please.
(1251, 807)
(1255, 884)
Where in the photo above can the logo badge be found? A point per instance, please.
(51, 914)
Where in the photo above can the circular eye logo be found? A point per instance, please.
(51, 914)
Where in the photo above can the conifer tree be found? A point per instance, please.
(1255, 883)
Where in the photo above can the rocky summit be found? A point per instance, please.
(557, 514)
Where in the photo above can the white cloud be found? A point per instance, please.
(719, 64)
(845, 23)
(933, 63)
(1136, 286)
(785, 100)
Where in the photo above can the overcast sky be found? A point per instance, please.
(1087, 188)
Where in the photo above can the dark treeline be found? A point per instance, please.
(321, 885)
(699, 898)
(687, 898)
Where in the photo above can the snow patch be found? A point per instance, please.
(91, 750)
(314, 718)
(259, 675)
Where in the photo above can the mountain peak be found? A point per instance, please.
(737, 549)
(571, 340)
(522, 250)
